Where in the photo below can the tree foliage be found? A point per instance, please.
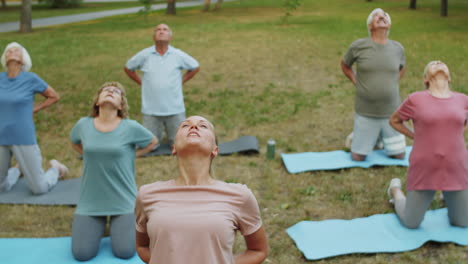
(289, 7)
(146, 7)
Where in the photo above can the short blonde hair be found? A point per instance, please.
(371, 16)
(27, 63)
(426, 84)
(122, 113)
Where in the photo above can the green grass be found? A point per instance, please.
(258, 77)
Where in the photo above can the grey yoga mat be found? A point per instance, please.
(242, 145)
(66, 192)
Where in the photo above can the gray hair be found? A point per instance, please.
(426, 69)
(371, 16)
(170, 30)
(27, 63)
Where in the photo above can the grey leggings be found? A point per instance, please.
(87, 232)
(30, 161)
(411, 210)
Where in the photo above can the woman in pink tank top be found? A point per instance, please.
(194, 218)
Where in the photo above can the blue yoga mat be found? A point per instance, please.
(53, 251)
(377, 233)
(339, 159)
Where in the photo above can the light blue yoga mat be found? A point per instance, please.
(373, 234)
(339, 159)
(55, 250)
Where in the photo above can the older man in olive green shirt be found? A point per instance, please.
(380, 64)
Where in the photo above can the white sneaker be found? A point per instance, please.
(18, 167)
(349, 140)
(440, 196)
(63, 170)
(394, 183)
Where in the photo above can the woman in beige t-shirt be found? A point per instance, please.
(194, 218)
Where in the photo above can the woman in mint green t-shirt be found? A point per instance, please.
(109, 143)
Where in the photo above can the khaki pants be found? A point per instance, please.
(160, 124)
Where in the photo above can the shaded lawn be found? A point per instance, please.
(258, 77)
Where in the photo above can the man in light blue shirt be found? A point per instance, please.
(162, 98)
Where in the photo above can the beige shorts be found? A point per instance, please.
(367, 130)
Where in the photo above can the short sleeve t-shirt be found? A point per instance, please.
(162, 79)
(195, 224)
(16, 108)
(108, 182)
(377, 73)
(439, 159)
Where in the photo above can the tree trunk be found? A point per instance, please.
(171, 8)
(412, 4)
(206, 7)
(218, 5)
(443, 7)
(3, 3)
(26, 21)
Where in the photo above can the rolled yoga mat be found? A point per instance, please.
(339, 159)
(66, 192)
(373, 234)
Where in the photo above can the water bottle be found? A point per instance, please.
(270, 149)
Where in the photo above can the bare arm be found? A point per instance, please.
(189, 75)
(133, 75)
(78, 148)
(402, 72)
(142, 246)
(151, 145)
(257, 248)
(397, 123)
(51, 98)
(348, 72)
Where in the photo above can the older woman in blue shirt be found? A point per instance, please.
(18, 87)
